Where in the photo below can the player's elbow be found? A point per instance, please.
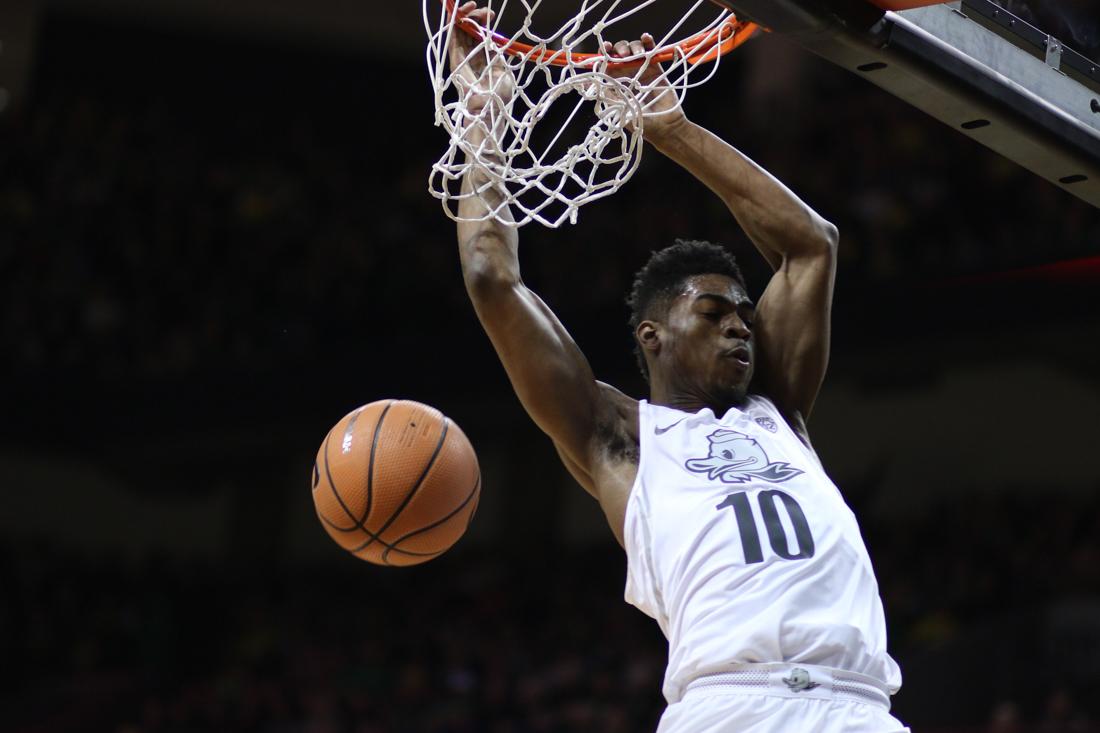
(827, 236)
(488, 266)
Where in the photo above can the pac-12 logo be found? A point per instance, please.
(735, 458)
(767, 423)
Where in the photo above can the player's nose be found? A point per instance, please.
(735, 328)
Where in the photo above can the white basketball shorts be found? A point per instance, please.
(781, 699)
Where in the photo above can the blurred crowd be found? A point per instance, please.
(533, 641)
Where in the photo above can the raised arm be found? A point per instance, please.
(548, 371)
(792, 317)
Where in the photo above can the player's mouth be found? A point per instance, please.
(740, 354)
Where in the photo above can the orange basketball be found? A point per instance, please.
(396, 483)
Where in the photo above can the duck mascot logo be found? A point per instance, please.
(735, 458)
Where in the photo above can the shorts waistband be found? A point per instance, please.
(792, 680)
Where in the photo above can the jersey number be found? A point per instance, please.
(777, 536)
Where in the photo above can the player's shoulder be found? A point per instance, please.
(793, 418)
(618, 406)
(617, 398)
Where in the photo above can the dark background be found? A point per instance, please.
(216, 239)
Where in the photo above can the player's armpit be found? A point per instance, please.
(792, 330)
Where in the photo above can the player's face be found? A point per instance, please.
(708, 339)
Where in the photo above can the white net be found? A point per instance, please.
(550, 123)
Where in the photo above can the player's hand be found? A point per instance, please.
(663, 113)
(490, 86)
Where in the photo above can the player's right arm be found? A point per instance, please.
(549, 373)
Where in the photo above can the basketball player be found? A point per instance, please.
(737, 542)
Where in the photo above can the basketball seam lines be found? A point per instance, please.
(370, 465)
(335, 493)
(364, 529)
(412, 492)
(356, 524)
(371, 534)
(470, 518)
(433, 525)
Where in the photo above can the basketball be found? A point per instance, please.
(396, 482)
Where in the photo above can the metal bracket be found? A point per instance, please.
(1054, 52)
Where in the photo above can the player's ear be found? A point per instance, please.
(648, 334)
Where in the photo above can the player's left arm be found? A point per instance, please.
(791, 327)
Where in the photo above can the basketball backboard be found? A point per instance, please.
(969, 63)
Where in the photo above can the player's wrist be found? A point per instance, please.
(662, 130)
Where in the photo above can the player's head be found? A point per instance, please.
(691, 316)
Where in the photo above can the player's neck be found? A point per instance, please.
(689, 400)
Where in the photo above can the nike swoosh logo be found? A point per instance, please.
(662, 431)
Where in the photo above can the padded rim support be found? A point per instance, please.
(983, 81)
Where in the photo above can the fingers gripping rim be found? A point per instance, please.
(699, 48)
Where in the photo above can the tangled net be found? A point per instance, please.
(546, 174)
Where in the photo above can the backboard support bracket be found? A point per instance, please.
(970, 64)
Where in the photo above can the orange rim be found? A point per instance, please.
(731, 34)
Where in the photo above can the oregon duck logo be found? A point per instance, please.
(735, 458)
(799, 680)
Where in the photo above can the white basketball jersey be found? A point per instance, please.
(744, 551)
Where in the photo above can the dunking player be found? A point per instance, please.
(737, 542)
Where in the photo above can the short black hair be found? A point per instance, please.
(663, 278)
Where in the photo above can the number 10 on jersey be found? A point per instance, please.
(768, 503)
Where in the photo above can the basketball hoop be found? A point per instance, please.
(547, 177)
